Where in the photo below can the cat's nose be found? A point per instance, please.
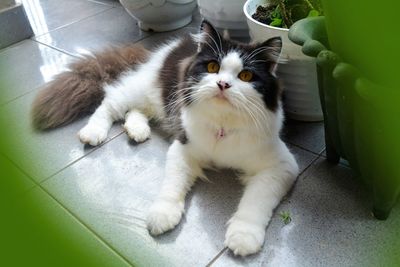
(223, 85)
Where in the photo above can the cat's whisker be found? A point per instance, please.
(219, 47)
(261, 111)
(258, 51)
(255, 110)
(242, 105)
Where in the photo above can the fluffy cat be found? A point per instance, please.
(219, 98)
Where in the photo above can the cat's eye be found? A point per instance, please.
(245, 75)
(212, 67)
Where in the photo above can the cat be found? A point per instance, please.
(219, 98)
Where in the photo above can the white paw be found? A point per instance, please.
(163, 216)
(139, 132)
(244, 238)
(92, 135)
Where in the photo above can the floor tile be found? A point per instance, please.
(112, 188)
(303, 157)
(27, 65)
(157, 39)
(41, 154)
(15, 180)
(107, 2)
(331, 225)
(46, 233)
(47, 15)
(307, 135)
(112, 27)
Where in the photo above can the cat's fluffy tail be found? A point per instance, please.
(79, 90)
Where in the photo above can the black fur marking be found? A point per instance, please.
(182, 137)
(170, 71)
(258, 58)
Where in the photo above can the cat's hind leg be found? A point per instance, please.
(137, 125)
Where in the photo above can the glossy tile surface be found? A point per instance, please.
(307, 135)
(109, 189)
(48, 15)
(331, 225)
(112, 27)
(46, 214)
(112, 188)
(20, 183)
(27, 65)
(42, 154)
(155, 40)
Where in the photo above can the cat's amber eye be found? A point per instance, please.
(245, 75)
(212, 67)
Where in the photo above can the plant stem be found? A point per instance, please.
(284, 14)
(309, 4)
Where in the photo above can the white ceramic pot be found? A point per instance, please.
(225, 14)
(160, 15)
(297, 71)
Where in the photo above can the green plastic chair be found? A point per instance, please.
(361, 117)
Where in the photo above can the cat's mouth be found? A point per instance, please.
(221, 97)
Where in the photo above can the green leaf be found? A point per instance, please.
(276, 22)
(276, 13)
(285, 216)
(313, 13)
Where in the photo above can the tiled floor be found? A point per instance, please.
(109, 188)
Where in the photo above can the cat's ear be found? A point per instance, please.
(208, 37)
(271, 50)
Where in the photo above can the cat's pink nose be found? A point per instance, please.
(223, 85)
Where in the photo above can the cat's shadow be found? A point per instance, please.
(210, 205)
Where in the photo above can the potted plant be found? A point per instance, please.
(359, 92)
(297, 71)
(160, 15)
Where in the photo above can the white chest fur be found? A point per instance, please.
(223, 139)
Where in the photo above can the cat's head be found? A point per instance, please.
(232, 74)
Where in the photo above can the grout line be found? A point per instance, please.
(31, 91)
(3, 104)
(14, 45)
(309, 165)
(306, 149)
(78, 159)
(216, 257)
(105, 4)
(56, 48)
(73, 22)
(109, 246)
(39, 185)
(298, 176)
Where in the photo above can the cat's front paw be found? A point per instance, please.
(92, 135)
(163, 216)
(139, 132)
(244, 238)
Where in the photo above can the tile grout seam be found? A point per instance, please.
(90, 230)
(73, 22)
(213, 260)
(83, 156)
(318, 156)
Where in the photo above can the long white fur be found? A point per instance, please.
(250, 143)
